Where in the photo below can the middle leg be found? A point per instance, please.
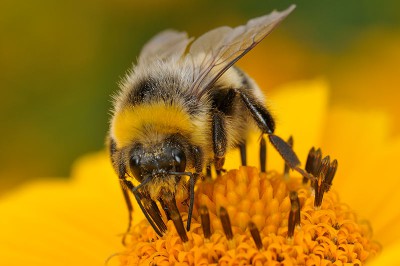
(220, 140)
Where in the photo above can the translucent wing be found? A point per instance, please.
(217, 50)
(165, 44)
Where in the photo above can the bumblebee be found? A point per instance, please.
(180, 109)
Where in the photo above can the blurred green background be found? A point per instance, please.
(61, 60)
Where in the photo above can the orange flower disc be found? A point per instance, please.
(328, 235)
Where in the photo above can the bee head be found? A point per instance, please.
(168, 156)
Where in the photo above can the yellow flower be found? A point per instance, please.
(77, 222)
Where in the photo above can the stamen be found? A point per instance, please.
(294, 199)
(330, 175)
(255, 233)
(263, 155)
(287, 167)
(226, 223)
(205, 221)
(294, 209)
(316, 162)
(324, 166)
(309, 164)
(310, 159)
(313, 164)
(319, 183)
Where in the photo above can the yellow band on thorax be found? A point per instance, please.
(131, 122)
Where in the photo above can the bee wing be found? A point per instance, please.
(217, 50)
(166, 44)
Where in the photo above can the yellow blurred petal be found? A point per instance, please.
(37, 224)
(353, 137)
(365, 179)
(389, 256)
(383, 206)
(69, 222)
(300, 109)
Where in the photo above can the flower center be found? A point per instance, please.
(246, 217)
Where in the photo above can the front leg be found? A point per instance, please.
(260, 114)
(266, 123)
(118, 165)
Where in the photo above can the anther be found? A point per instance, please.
(294, 209)
(294, 199)
(319, 186)
(310, 159)
(309, 164)
(287, 167)
(324, 166)
(226, 223)
(330, 175)
(205, 221)
(316, 162)
(255, 233)
(263, 155)
(313, 164)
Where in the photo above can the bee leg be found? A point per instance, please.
(259, 113)
(219, 139)
(128, 202)
(285, 150)
(192, 183)
(266, 123)
(219, 163)
(124, 186)
(243, 156)
(263, 155)
(208, 171)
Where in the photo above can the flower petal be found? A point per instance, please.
(384, 204)
(389, 256)
(365, 179)
(65, 222)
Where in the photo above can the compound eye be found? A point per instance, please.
(135, 165)
(179, 160)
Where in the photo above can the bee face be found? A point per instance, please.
(168, 157)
